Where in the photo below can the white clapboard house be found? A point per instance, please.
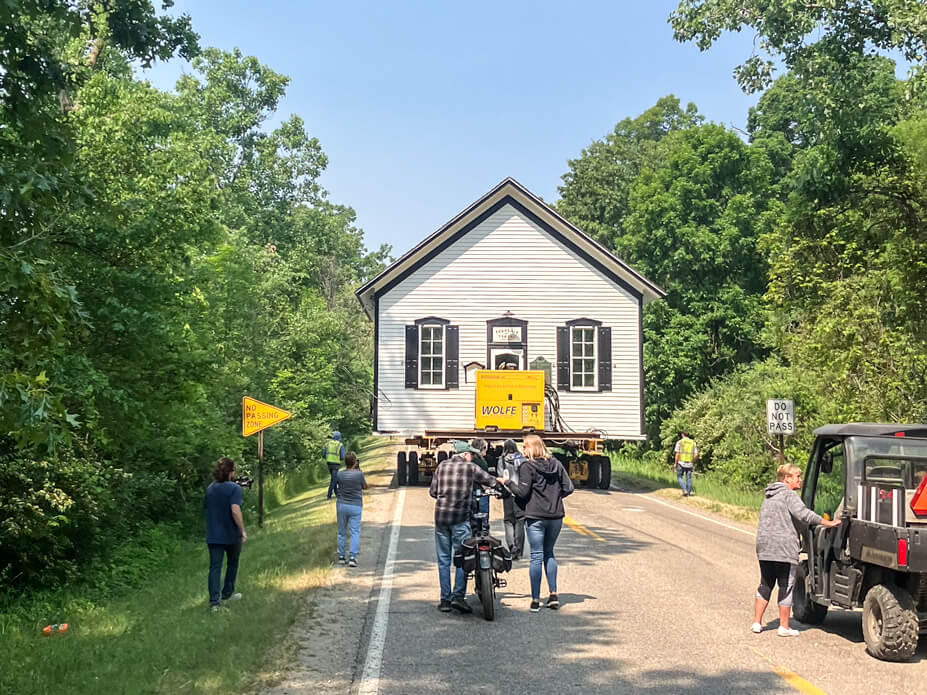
(508, 282)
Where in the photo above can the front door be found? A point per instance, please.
(507, 343)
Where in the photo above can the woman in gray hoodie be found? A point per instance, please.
(777, 544)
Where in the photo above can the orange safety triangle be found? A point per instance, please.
(919, 500)
(257, 416)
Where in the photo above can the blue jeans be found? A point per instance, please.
(542, 534)
(349, 520)
(333, 471)
(217, 551)
(447, 543)
(684, 476)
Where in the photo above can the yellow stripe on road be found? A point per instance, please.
(580, 529)
(793, 679)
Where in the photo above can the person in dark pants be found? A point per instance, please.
(513, 509)
(777, 544)
(480, 498)
(333, 453)
(225, 532)
(543, 483)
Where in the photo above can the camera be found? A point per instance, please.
(244, 481)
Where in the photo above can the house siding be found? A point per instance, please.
(507, 263)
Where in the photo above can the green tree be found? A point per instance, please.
(595, 190)
(804, 34)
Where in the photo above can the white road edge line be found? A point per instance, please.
(700, 516)
(370, 680)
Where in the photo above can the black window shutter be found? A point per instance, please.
(605, 358)
(563, 358)
(411, 357)
(452, 359)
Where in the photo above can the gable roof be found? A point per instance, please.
(510, 192)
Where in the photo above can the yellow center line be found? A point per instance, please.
(580, 529)
(793, 679)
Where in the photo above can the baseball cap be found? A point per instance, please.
(461, 446)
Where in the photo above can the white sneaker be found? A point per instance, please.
(757, 628)
(787, 632)
(234, 597)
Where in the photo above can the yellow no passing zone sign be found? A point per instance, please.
(257, 416)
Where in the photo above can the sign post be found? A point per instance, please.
(780, 420)
(255, 418)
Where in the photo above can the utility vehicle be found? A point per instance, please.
(873, 477)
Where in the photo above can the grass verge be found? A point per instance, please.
(709, 492)
(160, 637)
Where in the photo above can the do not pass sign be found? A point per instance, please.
(780, 416)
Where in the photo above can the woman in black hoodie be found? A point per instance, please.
(542, 485)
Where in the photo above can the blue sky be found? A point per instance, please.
(422, 107)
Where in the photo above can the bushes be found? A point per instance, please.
(728, 422)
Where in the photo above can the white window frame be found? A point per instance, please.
(594, 358)
(421, 356)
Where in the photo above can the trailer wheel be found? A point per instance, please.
(805, 610)
(442, 456)
(413, 468)
(401, 468)
(605, 472)
(592, 468)
(890, 623)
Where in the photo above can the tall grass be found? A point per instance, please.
(142, 625)
(708, 485)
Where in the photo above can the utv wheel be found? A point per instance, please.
(605, 472)
(805, 610)
(413, 468)
(401, 468)
(890, 623)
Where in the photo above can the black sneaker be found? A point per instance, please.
(444, 606)
(342, 559)
(535, 606)
(352, 562)
(553, 602)
(461, 605)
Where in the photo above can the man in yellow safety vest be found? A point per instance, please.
(685, 454)
(333, 453)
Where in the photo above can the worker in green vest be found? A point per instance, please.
(685, 454)
(333, 453)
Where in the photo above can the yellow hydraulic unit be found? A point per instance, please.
(509, 399)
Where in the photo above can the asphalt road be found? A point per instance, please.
(657, 597)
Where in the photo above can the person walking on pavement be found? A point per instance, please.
(480, 498)
(349, 486)
(777, 544)
(333, 453)
(513, 509)
(452, 489)
(225, 532)
(543, 483)
(684, 455)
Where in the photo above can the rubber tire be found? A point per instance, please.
(413, 468)
(487, 594)
(592, 466)
(890, 623)
(442, 456)
(803, 608)
(402, 469)
(605, 472)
